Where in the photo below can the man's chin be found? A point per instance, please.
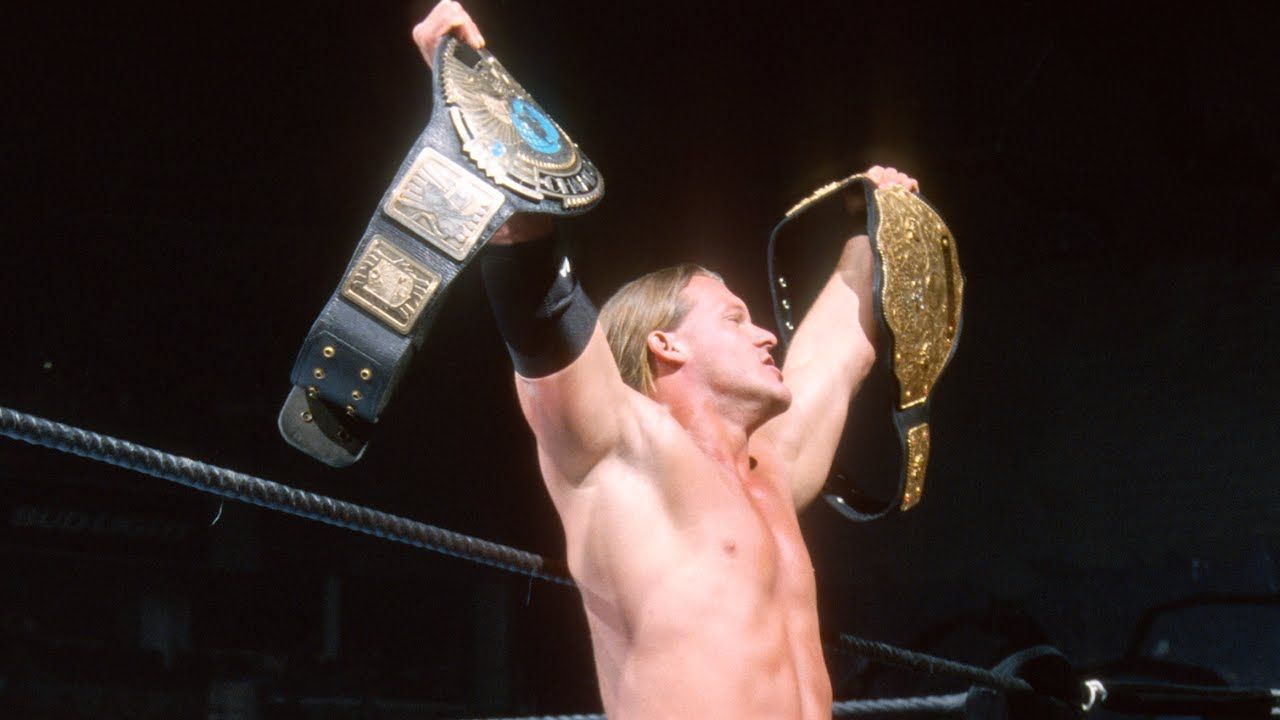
(779, 402)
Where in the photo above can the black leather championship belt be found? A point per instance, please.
(918, 289)
(489, 151)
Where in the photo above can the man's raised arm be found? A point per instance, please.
(569, 386)
(831, 353)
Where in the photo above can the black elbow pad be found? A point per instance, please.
(541, 310)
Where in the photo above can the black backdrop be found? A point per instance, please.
(185, 184)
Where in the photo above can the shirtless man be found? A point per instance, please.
(677, 457)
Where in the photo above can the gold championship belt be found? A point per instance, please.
(918, 292)
(488, 152)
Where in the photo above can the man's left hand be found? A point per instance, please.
(856, 265)
(888, 177)
(855, 202)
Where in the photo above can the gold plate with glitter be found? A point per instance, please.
(508, 135)
(444, 204)
(390, 285)
(921, 290)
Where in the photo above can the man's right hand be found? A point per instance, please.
(523, 227)
(446, 17)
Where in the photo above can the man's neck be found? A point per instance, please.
(720, 434)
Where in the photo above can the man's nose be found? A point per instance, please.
(766, 339)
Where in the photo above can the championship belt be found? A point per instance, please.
(918, 290)
(489, 151)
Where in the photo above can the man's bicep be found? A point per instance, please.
(577, 412)
(805, 437)
(828, 359)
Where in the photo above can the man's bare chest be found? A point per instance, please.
(747, 521)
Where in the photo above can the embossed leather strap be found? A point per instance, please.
(488, 151)
(918, 292)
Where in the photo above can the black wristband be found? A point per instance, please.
(541, 310)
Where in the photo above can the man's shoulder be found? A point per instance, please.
(650, 430)
(644, 438)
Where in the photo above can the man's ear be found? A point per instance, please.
(665, 348)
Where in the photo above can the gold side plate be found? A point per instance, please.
(442, 203)
(390, 285)
(921, 290)
(917, 464)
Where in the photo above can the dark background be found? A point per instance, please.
(186, 183)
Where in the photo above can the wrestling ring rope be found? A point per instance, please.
(1081, 698)
(881, 707)
(272, 495)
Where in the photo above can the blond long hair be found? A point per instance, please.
(650, 302)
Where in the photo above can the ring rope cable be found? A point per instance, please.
(274, 496)
(1153, 698)
(932, 665)
(878, 707)
(933, 704)
(1135, 697)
